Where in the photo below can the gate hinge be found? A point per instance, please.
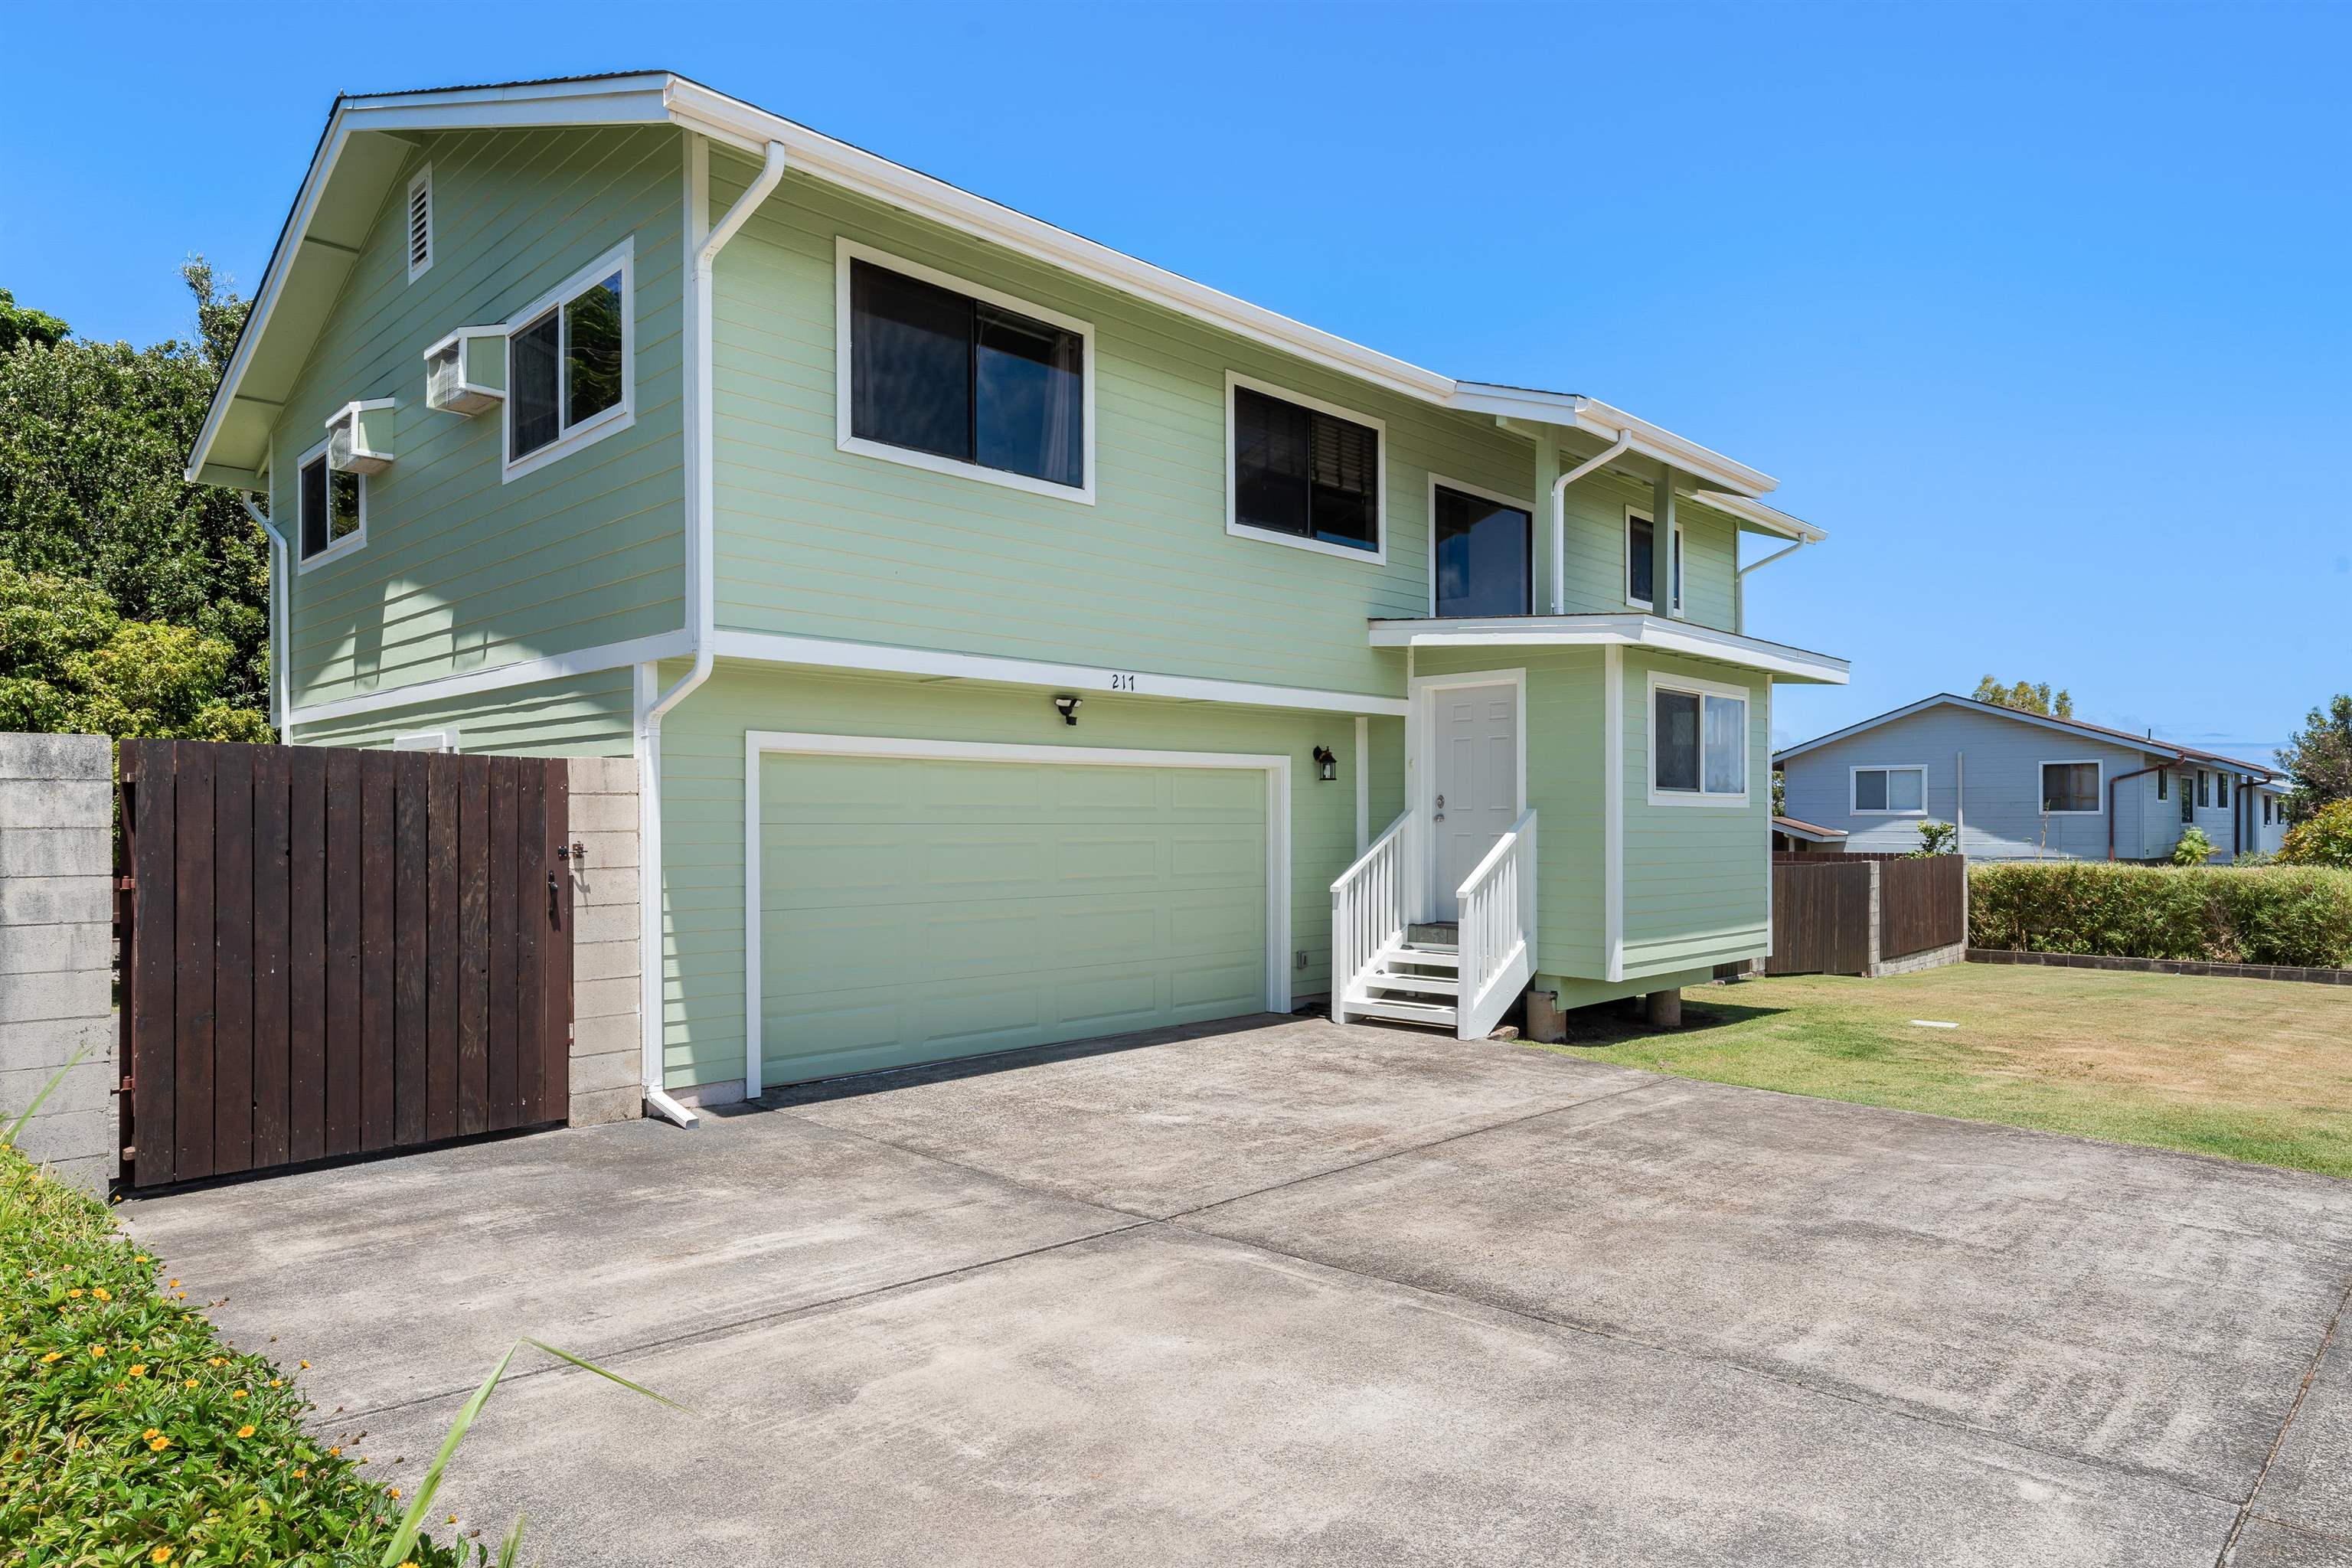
(126, 1083)
(126, 884)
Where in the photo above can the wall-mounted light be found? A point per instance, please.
(1068, 708)
(1327, 766)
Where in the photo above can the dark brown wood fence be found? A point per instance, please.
(334, 952)
(1921, 904)
(1821, 916)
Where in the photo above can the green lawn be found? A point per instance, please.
(2247, 1069)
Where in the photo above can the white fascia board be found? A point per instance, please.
(497, 678)
(1594, 417)
(1756, 515)
(1612, 631)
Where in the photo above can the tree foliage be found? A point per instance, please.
(2319, 757)
(2192, 847)
(70, 664)
(2324, 838)
(2026, 698)
(92, 440)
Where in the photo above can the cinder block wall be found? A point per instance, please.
(606, 1055)
(57, 949)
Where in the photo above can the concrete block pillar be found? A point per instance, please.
(605, 952)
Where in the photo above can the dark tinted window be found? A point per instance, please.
(1484, 556)
(313, 503)
(1641, 560)
(1677, 741)
(1870, 790)
(934, 371)
(1299, 470)
(532, 400)
(592, 352)
(2070, 786)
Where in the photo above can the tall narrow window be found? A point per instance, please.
(1484, 554)
(330, 504)
(2187, 800)
(420, 223)
(2221, 789)
(1641, 560)
(938, 371)
(2163, 784)
(1306, 473)
(1698, 746)
(569, 366)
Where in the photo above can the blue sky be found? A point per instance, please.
(2042, 310)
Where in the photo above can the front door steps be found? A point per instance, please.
(1417, 981)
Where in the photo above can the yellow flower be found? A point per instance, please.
(138, 1369)
(334, 1453)
(173, 1285)
(306, 1366)
(160, 1554)
(96, 1352)
(302, 1473)
(103, 1294)
(239, 1394)
(245, 1431)
(159, 1443)
(52, 1356)
(396, 1494)
(217, 1361)
(191, 1383)
(276, 1383)
(74, 1294)
(150, 1432)
(141, 1257)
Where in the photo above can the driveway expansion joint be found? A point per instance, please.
(2293, 1409)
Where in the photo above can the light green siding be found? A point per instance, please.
(916, 908)
(582, 716)
(1595, 553)
(460, 571)
(1697, 878)
(702, 809)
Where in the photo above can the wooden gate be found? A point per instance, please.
(1922, 904)
(1821, 915)
(335, 952)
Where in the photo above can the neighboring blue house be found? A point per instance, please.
(2023, 788)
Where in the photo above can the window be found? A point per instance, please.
(1890, 792)
(2221, 789)
(2187, 800)
(2204, 788)
(1675, 554)
(1641, 560)
(420, 223)
(1304, 473)
(2266, 811)
(946, 376)
(1483, 554)
(2163, 784)
(1698, 744)
(331, 508)
(2069, 789)
(569, 366)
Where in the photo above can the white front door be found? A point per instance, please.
(1474, 781)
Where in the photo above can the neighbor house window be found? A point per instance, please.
(1641, 560)
(2220, 789)
(330, 506)
(569, 366)
(2188, 801)
(2163, 784)
(2070, 788)
(2266, 811)
(2204, 787)
(1304, 472)
(1485, 553)
(1894, 792)
(950, 376)
(1698, 744)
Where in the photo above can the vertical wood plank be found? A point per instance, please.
(155, 860)
(473, 944)
(233, 959)
(345, 875)
(504, 778)
(192, 1155)
(441, 947)
(555, 1071)
(378, 839)
(272, 1021)
(530, 927)
(410, 847)
(306, 953)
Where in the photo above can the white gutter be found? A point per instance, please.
(281, 579)
(1560, 516)
(702, 552)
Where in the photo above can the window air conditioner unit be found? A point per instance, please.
(359, 436)
(466, 372)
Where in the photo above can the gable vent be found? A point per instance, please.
(420, 223)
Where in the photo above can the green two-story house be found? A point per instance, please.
(1017, 642)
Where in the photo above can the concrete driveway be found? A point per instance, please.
(1290, 1292)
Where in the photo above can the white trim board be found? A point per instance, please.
(1086, 680)
(522, 673)
(760, 743)
(1606, 629)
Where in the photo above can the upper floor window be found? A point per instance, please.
(1698, 743)
(947, 375)
(330, 508)
(1644, 565)
(420, 223)
(570, 366)
(1483, 551)
(1892, 792)
(2070, 788)
(1305, 473)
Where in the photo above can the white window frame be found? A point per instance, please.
(846, 251)
(1854, 788)
(426, 741)
(417, 270)
(1438, 482)
(621, 259)
(2098, 791)
(1702, 690)
(1659, 560)
(1379, 554)
(356, 539)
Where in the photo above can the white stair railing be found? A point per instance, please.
(1497, 941)
(1367, 914)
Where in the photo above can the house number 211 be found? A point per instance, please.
(1121, 682)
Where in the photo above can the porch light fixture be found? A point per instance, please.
(1068, 708)
(1327, 766)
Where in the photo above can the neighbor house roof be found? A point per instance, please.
(1814, 831)
(363, 146)
(2148, 743)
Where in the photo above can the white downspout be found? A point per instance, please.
(281, 580)
(1739, 583)
(702, 550)
(1560, 517)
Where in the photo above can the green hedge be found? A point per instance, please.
(130, 1434)
(2299, 915)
